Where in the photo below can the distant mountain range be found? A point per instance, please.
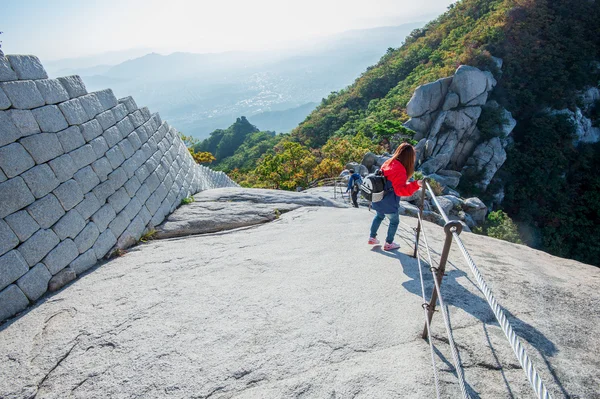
(198, 93)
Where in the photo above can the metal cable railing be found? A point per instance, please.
(451, 231)
(434, 271)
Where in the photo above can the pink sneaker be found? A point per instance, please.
(390, 247)
(373, 241)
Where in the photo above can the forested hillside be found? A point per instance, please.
(549, 55)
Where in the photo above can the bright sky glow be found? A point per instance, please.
(74, 28)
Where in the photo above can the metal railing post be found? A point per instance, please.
(453, 226)
(418, 233)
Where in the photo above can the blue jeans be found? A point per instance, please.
(392, 228)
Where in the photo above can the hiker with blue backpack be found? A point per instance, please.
(396, 172)
(354, 183)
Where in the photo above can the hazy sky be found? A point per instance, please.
(73, 28)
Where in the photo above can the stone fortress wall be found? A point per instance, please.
(81, 174)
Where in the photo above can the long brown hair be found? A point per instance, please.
(405, 154)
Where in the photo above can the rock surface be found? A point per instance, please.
(230, 208)
(278, 312)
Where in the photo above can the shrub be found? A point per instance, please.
(187, 200)
(499, 225)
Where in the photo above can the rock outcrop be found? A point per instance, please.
(80, 175)
(444, 115)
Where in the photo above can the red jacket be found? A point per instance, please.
(395, 172)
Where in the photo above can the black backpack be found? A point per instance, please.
(373, 187)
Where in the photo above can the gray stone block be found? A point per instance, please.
(132, 234)
(8, 131)
(38, 246)
(52, 91)
(103, 190)
(87, 179)
(119, 224)
(145, 215)
(43, 147)
(6, 73)
(129, 103)
(73, 85)
(157, 218)
(119, 199)
(102, 168)
(142, 133)
(161, 191)
(143, 193)
(69, 194)
(120, 112)
(125, 127)
(50, 119)
(70, 138)
(153, 181)
(88, 206)
(86, 239)
(62, 278)
(46, 211)
(153, 203)
(126, 148)
(84, 262)
(135, 141)
(4, 101)
(132, 208)
(104, 216)
(145, 113)
(112, 136)
(104, 243)
(61, 256)
(140, 156)
(83, 156)
(14, 195)
(40, 180)
(14, 160)
(99, 146)
(35, 282)
(22, 224)
(8, 239)
(91, 105)
(142, 173)
(106, 119)
(70, 225)
(90, 130)
(152, 143)
(12, 301)
(136, 119)
(74, 112)
(132, 186)
(23, 94)
(130, 166)
(24, 121)
(117, 178)
(27, 67)
(107, 98)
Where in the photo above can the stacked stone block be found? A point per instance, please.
(81, 174)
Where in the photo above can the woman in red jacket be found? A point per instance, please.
(397, 170)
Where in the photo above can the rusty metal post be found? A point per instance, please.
(418, 233)
(452, 226)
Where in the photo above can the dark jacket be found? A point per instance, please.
(355, 176)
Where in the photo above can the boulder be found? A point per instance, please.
(465, 217)
(479, 100)
(434, 164)
(369, 160)
(452, 101)
(469, 83)
(464, 148)
(498, 62)
(462, 120)
(446, 181)
(419, 125)
(506, 128)
(476, 209)
(420, 150)
(428, 97)
(491, 81)
(487, 158)
(358, 168)
(446, 205)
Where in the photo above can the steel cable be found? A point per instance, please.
(457, 364)
(532, 375)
